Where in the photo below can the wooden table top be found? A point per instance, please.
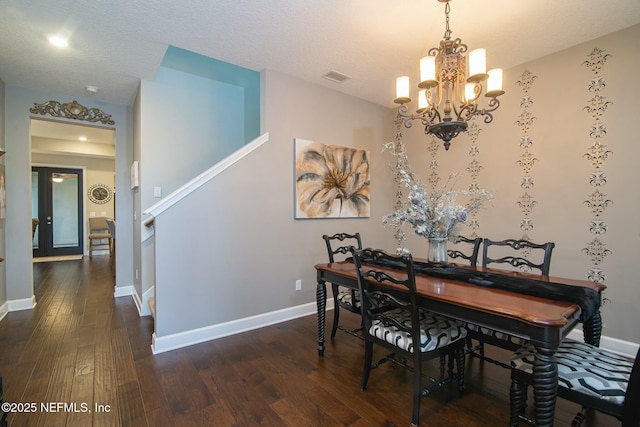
(534, 310)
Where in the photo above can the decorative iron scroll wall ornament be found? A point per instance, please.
(448, 98)
(72, 110)
(527, 160)
(597, 154)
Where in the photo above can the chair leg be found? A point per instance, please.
(90, 248)
(577, 421)
(336, 310)
(368, 358)
(446, 363)
(417, 388)
(460, 363)
(517, 397)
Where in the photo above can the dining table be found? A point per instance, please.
(482, 296)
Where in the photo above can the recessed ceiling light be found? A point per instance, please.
(91, 90)
(83, 138)
(58, 41)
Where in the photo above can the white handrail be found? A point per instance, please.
(173, 198)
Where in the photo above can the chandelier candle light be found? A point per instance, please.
(447, 99)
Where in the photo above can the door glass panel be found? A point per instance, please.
(34, 204)
(65, 210)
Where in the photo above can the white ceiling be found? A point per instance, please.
(71, 132)
(114, 44)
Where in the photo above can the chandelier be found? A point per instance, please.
(447, 98)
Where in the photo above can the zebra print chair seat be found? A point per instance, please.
(587, 375)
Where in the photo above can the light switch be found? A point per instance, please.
(157, 192)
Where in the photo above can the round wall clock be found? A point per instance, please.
(100, 193)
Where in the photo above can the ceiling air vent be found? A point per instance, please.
(336, 77)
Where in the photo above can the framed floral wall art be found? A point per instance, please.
(331, 181)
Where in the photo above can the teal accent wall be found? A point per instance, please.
(213, 69)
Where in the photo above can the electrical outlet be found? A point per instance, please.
(298, 285)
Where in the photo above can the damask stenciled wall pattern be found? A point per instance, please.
(597, 154)
(527, 160)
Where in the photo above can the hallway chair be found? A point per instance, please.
(98, 232)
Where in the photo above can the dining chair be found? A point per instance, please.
(98, 232)
(347, 298)
(525, 258)
(587, 375)
(111, 224)
(523, 250)
(393, 320)
(472, 256)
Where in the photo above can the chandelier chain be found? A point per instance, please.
(447, 32)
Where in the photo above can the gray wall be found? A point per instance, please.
(18, 173)
(242, 249)
(187, 123)
(560, 170)
(246, 251)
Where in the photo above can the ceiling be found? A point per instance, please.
(114, 44)
(71, 132)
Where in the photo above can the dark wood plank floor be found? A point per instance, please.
(81, 346)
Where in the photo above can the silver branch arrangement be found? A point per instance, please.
(431, 214)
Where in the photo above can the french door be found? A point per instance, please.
(57, 204)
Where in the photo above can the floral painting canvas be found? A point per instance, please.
(331, 181)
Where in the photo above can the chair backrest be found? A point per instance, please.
(631, 408)
(34, 226)
(472, 255)
(376, 297)
(518, 261)
(111, 225)
(340, 244)
(98, 223)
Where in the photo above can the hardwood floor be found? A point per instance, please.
(81, 346)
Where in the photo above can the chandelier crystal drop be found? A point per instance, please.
(447, 98)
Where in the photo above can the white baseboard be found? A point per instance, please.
(4, 309)
(208, 333)
(136, 299)
(615, 345)
(123, 291)
(22, 304)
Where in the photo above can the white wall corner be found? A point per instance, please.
(122, 291)
(22, 304)
(4, 309)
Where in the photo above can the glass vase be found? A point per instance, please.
(437, 250)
